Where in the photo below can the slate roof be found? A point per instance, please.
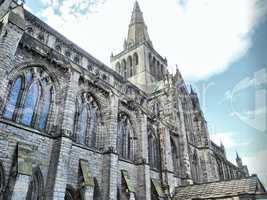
(230, 188)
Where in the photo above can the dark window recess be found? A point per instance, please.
(58, 48)
(67, 53)
(104, 77)
(76, 59)
(90, 67)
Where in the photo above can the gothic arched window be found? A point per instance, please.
(227, 175)
(30, 98)
(162, 71)
(118, 67)
(125, 137)
(125, 141)
(36, 188)
(82, 124)
(47, 98)
(124, 69)
(130, 66)
(30, 103)
(13, 98)
(174, 156)
(93, 116)
(220, 169)
(153, 149)
(70, 193)
(135, 59)
(87, 121)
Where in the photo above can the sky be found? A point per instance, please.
(220, 47)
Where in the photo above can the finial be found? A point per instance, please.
(221, 144)
(237, 156)
(191, 88)
(125, 44)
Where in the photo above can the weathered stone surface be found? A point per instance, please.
(144, 92)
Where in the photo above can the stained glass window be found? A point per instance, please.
(45, 109)
(87, 123)
(29, 105)
(25, 95)
(13, 98)
(29, 77)
(93, 126)
(82, 125)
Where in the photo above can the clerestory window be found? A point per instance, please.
(29, 99)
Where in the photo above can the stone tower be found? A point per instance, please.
(139, 62)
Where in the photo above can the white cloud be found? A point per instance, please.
(202, 36)
(228, 140)
(257, 164)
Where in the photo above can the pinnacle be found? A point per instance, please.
(137, 16)
(136, 7)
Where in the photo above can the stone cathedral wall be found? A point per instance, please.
(157, 121)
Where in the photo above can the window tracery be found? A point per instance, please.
(30, 97)
(124, 69)
(125, 141)
(87, 121)
(153, 149)
(135, 59)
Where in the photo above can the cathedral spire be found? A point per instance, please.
(137, 15)
(137, 32)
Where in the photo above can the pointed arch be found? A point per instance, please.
(36, 188)
(130, 66)
(29, 101)
(125, 139)
(220, 169)
(93, 123)
(87, 121)
(118, 67)
(135, 59)
(153, 149)
(69, 193)
(13, 98)
(82, 124)
(124, 68)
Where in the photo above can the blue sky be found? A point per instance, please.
(219, 46)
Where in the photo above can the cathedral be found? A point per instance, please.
(73, 128)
